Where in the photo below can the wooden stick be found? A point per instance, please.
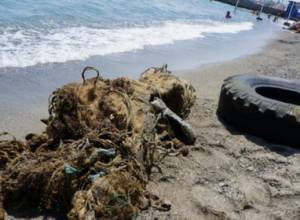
(183, 130)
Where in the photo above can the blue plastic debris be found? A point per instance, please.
(108, 152)
(95, 176)
(70, 170)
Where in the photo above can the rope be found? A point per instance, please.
(127, 103)
(87, 68)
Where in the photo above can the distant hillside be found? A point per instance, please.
(253, 5)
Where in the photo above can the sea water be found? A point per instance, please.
(45, 44)
(42, 31)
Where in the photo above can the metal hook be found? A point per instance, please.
(90, 68)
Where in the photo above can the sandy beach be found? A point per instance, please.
(229, 174)
(108, 110)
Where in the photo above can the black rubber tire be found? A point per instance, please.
(268, 107)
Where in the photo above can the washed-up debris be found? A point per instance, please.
(102, 140)
(185, 132)
(9, 149)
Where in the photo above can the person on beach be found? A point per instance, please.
(295, 27)
(228, 16)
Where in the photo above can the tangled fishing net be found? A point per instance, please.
(102, 140)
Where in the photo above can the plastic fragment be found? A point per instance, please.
(95, 176)
(110, 152)
(70, 170)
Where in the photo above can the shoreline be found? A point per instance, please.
(228, 174)
(279, 54)
(24, 91)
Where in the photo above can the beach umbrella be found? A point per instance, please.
(236, 5)
(291, 9)
(262, 7)
(261, 10)
(293, 4)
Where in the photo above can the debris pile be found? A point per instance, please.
(102, 141)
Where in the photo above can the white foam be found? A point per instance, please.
(28, 47)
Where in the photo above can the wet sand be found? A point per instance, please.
(229, 174)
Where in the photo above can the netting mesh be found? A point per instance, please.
(101, 142)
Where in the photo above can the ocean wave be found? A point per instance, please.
(21, 48)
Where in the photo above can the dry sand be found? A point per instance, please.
(228, 174)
